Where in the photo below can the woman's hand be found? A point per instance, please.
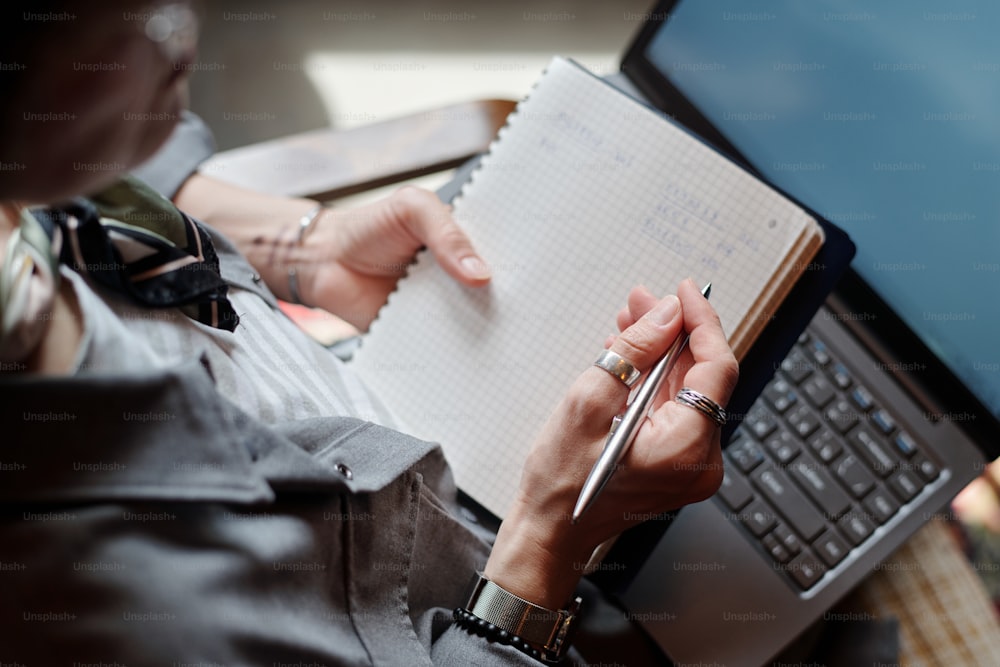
(676, 458)
(361, 253)
(351, 259)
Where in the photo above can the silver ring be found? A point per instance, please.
(616, 365)
(703, 404)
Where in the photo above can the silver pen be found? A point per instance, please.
(625, 426)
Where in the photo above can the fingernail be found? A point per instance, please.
(666, 310)
(475, 267)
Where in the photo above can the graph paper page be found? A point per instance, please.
(585, 194)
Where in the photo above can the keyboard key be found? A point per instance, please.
(780, 395)
(803, 421)
(783, 445)
(862, 398)
(776, 549)
(925, 467)
(734, 437)
(787, 538)
(796, 366)
(819, 353)
(759, 422)
(856, 527)
(825, 444)
(806, 570)
(789, 501)
(905, 485)
(831, 548)
(758, 518)
(735, 491)
(840, 376)
(821, 487)
(842, 415)
(884, 421)
(746, 454)
(818, 390)
(881, 505)
(855, 476)
(879, 455)
(906, 445)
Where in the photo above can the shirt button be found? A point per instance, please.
(344, 470)
(255, 277)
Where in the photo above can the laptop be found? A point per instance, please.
(885, 122)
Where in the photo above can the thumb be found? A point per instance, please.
(456, 255)
(431, 221)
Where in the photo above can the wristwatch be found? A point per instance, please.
(548, 631)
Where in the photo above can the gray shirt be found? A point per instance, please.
(151, 517)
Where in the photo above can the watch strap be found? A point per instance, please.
(547, 630)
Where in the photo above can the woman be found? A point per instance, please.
(189, 479)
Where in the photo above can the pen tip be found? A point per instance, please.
(706, 290)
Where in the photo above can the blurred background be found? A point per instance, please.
(268, 69)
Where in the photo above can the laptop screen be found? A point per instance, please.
(883, 118)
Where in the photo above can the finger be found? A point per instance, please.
(708, 367)
(715, 371)
(624, 319)
(640, 301)
(431, 222)
(641, 344)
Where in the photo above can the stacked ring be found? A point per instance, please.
(703, 404)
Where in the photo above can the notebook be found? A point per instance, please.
(888, 404)
(585, 193)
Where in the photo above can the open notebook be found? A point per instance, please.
(584, 194)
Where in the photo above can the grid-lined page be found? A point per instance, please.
(584, 194)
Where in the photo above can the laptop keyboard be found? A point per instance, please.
(817, 465)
